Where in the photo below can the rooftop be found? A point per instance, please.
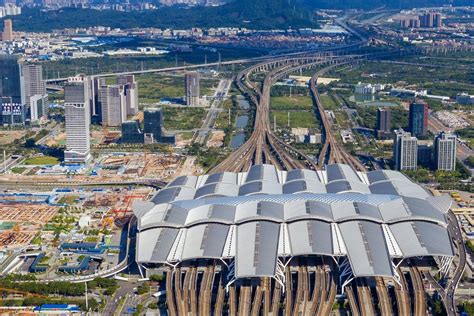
(255, 218)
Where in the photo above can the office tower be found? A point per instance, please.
(418, 118)
(192, 88)
(153, 127)
(153, 122)
(77, 113)
(10, 79)
(427, 20)
(96, 111)
(36, 98)
(131, 133)
(12, 92)
(445, 151)
(437, 20)
(384, 122)
(113, 105)
(7, 34)
(405, 150)
(131, 92)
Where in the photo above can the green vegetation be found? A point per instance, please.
(41, 160)
(467, 307)
(208, 157)
(143, 289)
(453, 76)
(470, 161)
(470, 245)
(157, 278)
(262, 14)
(57, 287)
(466, 133)
(447, 180)
(328, 101)
(297, 119)
(153, 87)
(36, 301)
(109, 286)
(18, 170)
(68, 199)
(152, 306)
(367, 116)
(295, 102)
(183, 118)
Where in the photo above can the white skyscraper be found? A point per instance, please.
(77, 113)
(445, 151)
(405, 150)
(113, 105)
(130, 88)
(36, 98)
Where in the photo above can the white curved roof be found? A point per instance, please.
(256, 218)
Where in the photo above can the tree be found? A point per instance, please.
(30, 143)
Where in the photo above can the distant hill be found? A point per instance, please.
(255, 14)
(370, 4)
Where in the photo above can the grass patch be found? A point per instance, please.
(153, 87)
(328, 102)
(186, 135)
(303, 119)
(296, 102)
(18, 170)
(183, 118)
(68, 199)
(41, 160)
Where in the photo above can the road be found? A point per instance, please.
(211, 117)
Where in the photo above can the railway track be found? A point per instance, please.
(263, 146)
(332, 151)
(384, 299)
(418, 292)
(365, 299)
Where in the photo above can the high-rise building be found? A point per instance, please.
(405, 150)
(153, 127)
(113, 105)
(77, 113)
(418, 118)
(96, 111)
(445, 151)
(10, 79)
(131, 92)
(437, 20)
(132, 133)
(192, 88)
(7, 34)
(12, 94)
(384, 122)
(36, 98)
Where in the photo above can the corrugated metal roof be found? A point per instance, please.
(213, 216)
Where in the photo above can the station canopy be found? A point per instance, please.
(258, 217)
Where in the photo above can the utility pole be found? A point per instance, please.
(87, 301)
(229, 117)
(290, 91)
(288, 119)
